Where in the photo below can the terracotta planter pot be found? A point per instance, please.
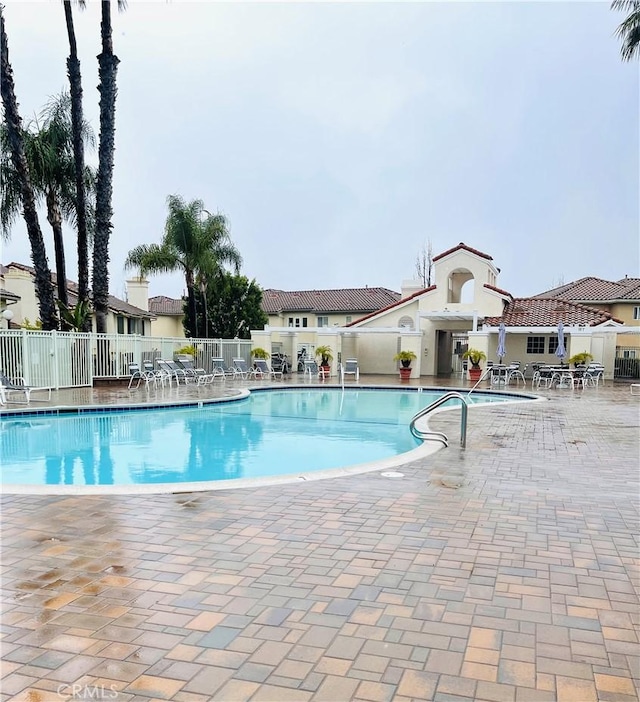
(405, 373)
(474, 374)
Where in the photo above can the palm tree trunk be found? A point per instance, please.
(44, 290)
(54, 217)
(191, 298)
(108, 68)
(75, 83)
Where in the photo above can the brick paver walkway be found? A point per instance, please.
(502, 573)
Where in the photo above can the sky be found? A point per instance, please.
(340, 139)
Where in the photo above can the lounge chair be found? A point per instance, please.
(173, 371)
(312, 370)
(221, 369)
(261, 367)
(200, 375)
(351, 368)
(139, 375)
(9, 387)
(241, 368)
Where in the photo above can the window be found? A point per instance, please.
(535, 344)
(553, 343)
(120, 325)
(348, 319)
(636, 312)
(323, 321)
(295, 322)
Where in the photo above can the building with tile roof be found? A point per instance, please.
(462, 308)
(621, 298)
(123, 318)
(323, 308)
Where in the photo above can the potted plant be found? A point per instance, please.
(475, 356)
(405, 358)
(326, 356)
(259, 353)
(581, 359)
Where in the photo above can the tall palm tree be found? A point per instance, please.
(75, 85)
(629, 30)
(49, 154)
(195, 242)
(107, 70)
(14, 139)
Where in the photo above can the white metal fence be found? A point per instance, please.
(72, 359)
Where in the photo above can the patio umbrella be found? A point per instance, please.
(561, 351)
(502, 336)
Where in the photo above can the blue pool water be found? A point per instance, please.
(270, 433)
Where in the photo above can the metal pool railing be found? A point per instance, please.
(437, 435)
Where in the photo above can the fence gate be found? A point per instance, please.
(627, 363)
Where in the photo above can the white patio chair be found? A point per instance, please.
(351, 368)
(242, 370)
(221, 369)
(261, 367)
(10, 387)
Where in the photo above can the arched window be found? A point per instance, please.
(406, 322)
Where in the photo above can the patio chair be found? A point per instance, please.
(200, 375)
(594, 374)
(351, 368)
(221, 369)
(172, 371)
(311, 369)
(241, 368)
(261, 366)
(9, 387)
(141, 375)
(514, 372)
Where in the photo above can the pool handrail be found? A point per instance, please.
(437, 435)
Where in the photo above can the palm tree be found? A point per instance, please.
(16, 146)
(107, 70)
(195, 242)
(629, 30)
(49, 155)
(75, 84)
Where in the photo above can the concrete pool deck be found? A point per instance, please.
(508, 571)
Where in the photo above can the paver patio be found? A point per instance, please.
(506, 572)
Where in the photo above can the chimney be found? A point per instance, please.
(138, 293)
(409, 287)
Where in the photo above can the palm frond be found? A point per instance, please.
(152, 258)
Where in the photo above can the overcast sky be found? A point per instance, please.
(338, 138)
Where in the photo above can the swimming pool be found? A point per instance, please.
(270, 433)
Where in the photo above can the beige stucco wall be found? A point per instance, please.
(277, 320)
(21, 283)
(167, 326)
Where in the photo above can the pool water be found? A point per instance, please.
(270, 433)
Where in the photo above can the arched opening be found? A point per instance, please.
(406, 322)
(455, 283)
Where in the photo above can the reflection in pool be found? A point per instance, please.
(270, 433)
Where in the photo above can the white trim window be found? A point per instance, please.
(636, 312)
(323, 321)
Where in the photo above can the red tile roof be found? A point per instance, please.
(462, 245)
(358, 300)
(548, 312)
(161, 304)
(591, 289)
(498, 290)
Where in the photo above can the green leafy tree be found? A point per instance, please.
(234, 307)
(194, 242)
(629, 31)
(15, 143)
(48, 146)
